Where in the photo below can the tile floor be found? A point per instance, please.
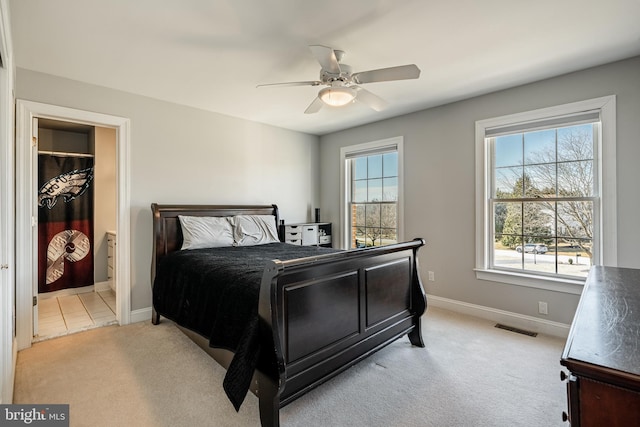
(67, 314)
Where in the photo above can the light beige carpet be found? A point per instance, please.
(470, 374)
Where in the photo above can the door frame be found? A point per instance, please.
(8, 346)
(26, 216)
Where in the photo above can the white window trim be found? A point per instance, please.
(607, 181)
(345, 184)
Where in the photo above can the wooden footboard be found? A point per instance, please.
(321, 315)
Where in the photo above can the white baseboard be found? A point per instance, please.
(103, 286)
(140, 315)
(516, 320)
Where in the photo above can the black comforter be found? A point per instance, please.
(214, 292)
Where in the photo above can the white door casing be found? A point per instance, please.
(34, 220)
(26, 234)
(8, 346)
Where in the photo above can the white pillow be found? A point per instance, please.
(249, 230)
(206, 231)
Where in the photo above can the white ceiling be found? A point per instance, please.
(211, 54)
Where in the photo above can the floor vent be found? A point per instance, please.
(520, 331)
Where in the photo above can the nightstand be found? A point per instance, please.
(307, 234)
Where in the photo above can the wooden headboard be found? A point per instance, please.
(167, 235)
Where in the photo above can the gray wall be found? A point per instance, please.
(185, 155)
(440, 181)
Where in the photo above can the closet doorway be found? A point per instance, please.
(76, 206)
(72, 221)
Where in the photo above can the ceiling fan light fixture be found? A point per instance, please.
(337, 96)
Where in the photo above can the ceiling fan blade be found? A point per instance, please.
(373, 101)
(315, 106)
(326, 57)
(402, 72)
(309, 83)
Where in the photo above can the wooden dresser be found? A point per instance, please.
(602, 352)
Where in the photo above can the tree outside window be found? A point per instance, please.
(374, 197)
(543, 194)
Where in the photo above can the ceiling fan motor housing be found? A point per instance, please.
(344, 76)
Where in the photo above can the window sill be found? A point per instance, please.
(567, 286)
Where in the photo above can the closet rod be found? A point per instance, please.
(64, 154)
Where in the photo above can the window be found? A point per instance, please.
(371, 193)
(546, 194)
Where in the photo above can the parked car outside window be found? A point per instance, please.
(534, 248)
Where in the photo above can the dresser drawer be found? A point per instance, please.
(294, 241)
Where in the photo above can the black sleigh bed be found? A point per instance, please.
(292, 317)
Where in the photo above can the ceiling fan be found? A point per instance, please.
(343, 85)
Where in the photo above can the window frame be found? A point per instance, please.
(366, 149)
(606, 180)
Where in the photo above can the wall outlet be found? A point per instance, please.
(432, 276)
(542, 307)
